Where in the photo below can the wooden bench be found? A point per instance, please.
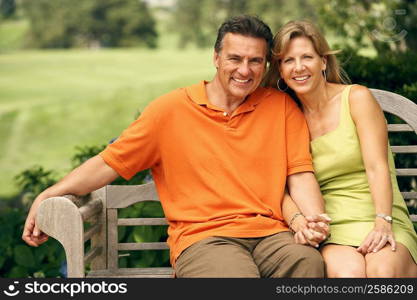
(64, 218)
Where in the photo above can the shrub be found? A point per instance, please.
(18, 259)
(395, 72)
(32, 182)
(94, 23)
(48, 260)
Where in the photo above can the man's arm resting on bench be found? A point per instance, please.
(91, 175)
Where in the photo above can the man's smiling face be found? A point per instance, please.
(240, 65)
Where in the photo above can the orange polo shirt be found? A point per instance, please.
(216, 174)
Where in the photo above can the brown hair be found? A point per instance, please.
(247, 26)
(293, 29)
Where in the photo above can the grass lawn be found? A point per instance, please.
(12, 33)
(52, 101)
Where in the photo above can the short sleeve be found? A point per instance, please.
(297, 139)
(136, 149)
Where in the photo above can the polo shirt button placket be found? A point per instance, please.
(226, 118)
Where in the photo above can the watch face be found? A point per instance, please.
(385, 217)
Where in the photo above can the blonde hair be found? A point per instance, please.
(293, 29)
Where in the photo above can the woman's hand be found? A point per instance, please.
(378, 238)
(320, 223)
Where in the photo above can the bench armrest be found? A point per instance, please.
(63, 219)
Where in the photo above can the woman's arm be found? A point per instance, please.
(373, 136)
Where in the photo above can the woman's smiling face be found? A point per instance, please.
(301, 67)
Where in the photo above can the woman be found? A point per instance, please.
(371, 233)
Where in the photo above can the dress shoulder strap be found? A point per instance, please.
(345, 108)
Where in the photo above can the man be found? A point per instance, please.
(221, 154)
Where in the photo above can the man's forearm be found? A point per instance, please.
(305, 191)
(91, 175)
(292, 215)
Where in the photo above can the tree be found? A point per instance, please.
(278, 12)
(387, 25)
(197, 21)
(51, 23)
(110, 23)
(188, 20)
(405, 19)
(7, 8)
(121, 23)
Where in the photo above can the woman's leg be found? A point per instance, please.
(388, 263)
(343, 262)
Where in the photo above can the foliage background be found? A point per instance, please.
(73, 74)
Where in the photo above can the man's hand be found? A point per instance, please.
(31, 233)
(311, 230)
(319, 223)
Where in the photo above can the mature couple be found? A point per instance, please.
(232, 165)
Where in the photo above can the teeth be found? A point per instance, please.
(301, 78)
(241, 81)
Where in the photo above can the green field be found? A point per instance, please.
(52, 101)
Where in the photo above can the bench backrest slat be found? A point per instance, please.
(141, 221)
(112, 240)
(399, 128)
(406, 172)
(143, 246)
(121, 196)
(409, 195)
(404, 149)
(397, 105)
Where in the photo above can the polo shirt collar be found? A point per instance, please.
(197, 93)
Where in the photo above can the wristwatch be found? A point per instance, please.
(385, 217)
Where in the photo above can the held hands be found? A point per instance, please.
(310, 230)
(378, 238)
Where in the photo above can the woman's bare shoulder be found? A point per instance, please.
(362, 103)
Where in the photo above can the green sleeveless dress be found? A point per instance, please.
(340, 171)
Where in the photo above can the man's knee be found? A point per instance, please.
(214, 258)
(304, 261)
(206, 268)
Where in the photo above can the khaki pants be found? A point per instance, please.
(271, 256)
